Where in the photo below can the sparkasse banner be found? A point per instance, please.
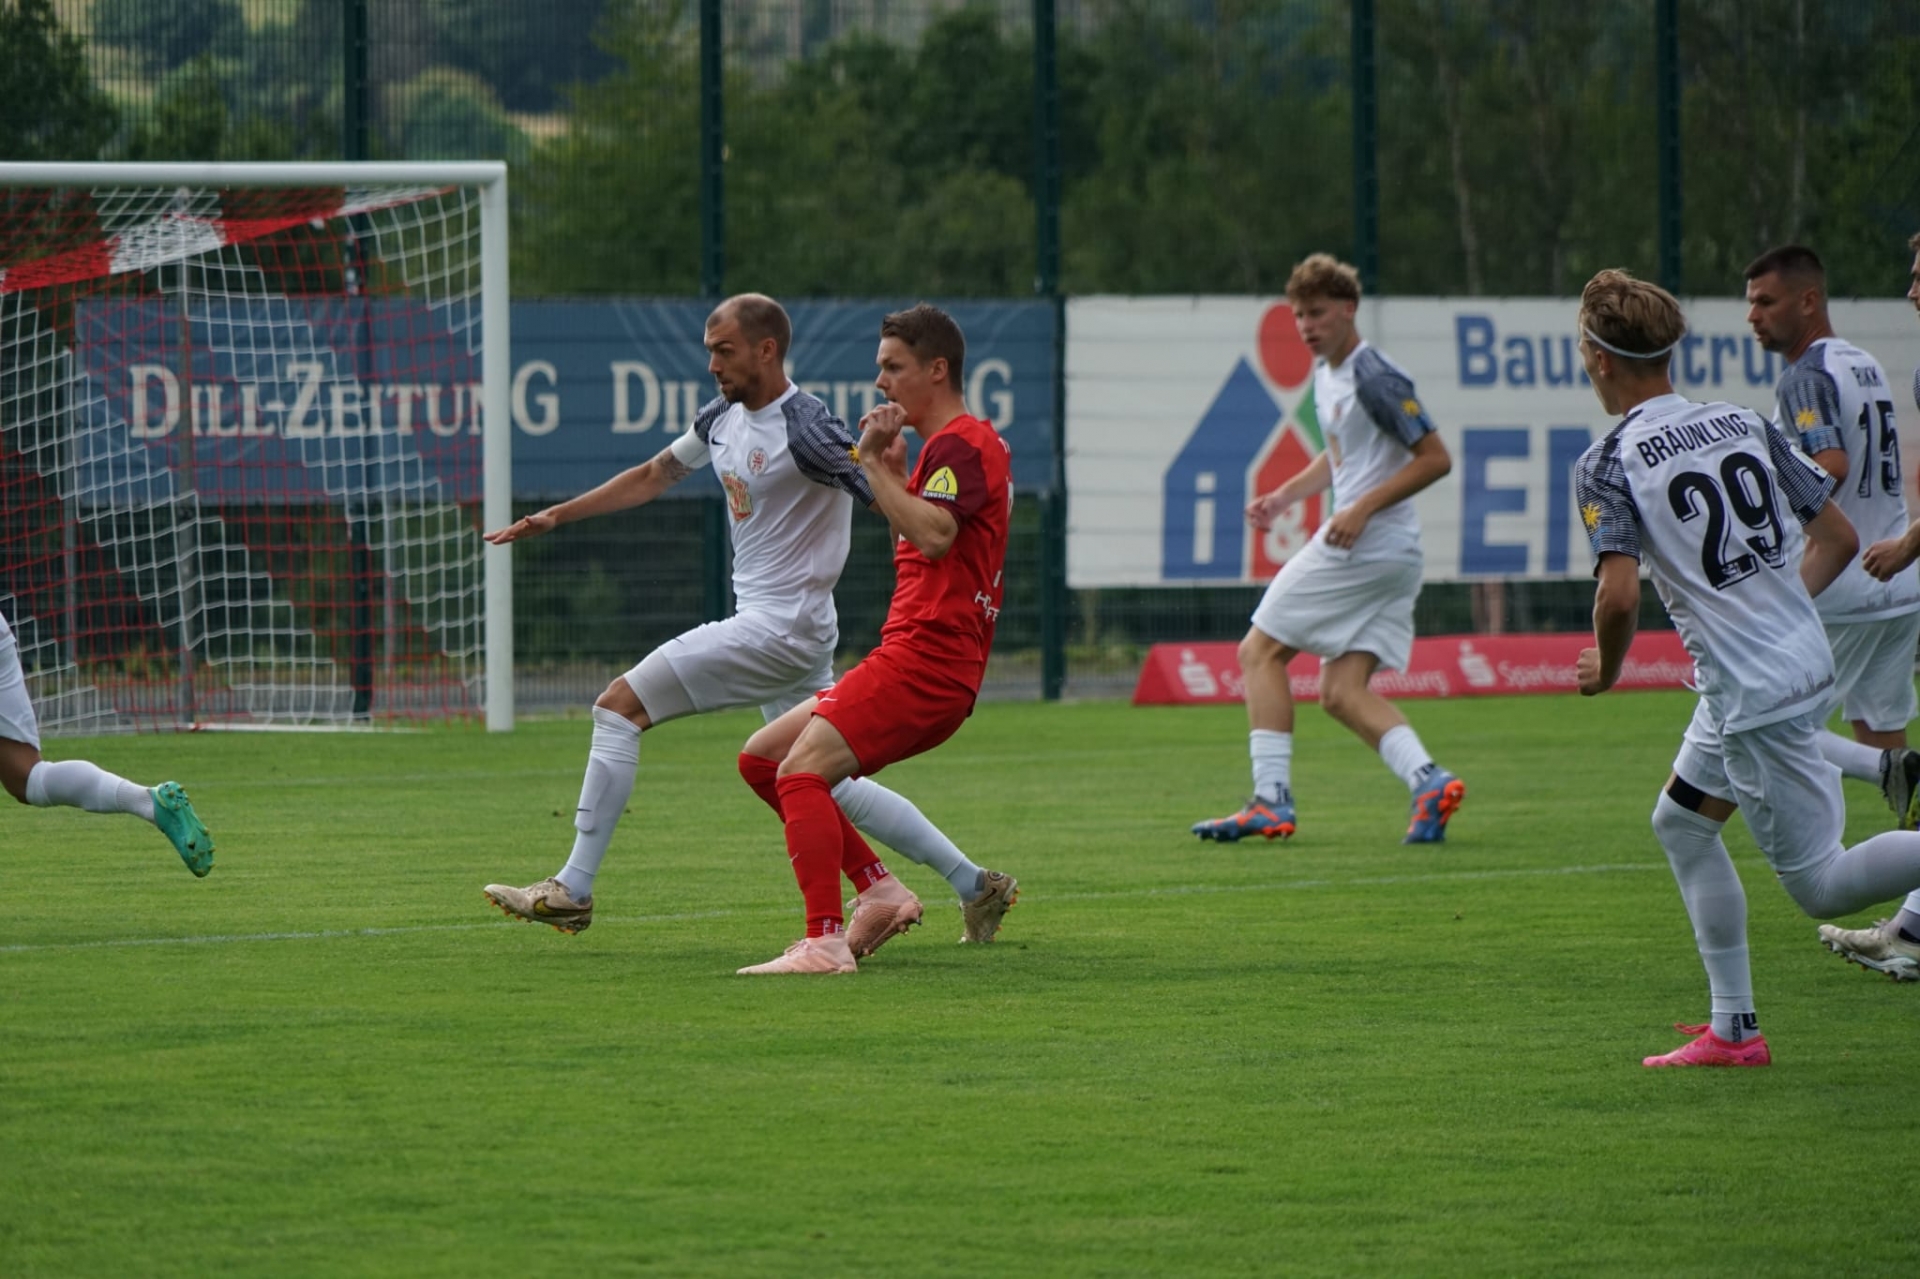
(1180, 410)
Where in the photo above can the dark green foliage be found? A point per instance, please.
(49, 107)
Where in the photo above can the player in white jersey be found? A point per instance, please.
(1348, 596)
(789, 471)
(1834, 399)
(75, 783)
(1712, 498)
(1890, 946)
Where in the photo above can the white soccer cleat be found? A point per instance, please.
(1880, 948)
(547, 902)
(980, 918)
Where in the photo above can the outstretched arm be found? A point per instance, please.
(635, 486)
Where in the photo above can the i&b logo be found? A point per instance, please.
(1246, 443)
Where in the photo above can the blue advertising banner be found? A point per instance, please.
(599, 386)
(274, 400)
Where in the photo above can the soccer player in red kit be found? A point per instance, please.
(914, 691)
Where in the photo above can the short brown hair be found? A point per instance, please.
(760, 318)
(931, 334)
(1913, 242)
(1794, 262)
(1323, 276)
(1623, 314)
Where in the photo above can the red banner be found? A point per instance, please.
(1441, 666)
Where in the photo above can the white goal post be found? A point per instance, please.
(253, 420)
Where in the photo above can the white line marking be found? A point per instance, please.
(1187, 890)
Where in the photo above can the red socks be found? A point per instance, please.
(818, 836)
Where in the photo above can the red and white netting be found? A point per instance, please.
(240, 453)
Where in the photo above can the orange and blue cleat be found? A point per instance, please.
(1433, 804)
(1272, 819)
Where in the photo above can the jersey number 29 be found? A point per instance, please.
(1746, 489)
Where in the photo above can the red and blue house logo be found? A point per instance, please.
(1247, 442)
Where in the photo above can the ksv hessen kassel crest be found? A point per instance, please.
(1259, 430)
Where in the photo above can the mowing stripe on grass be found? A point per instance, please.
(1182, 890)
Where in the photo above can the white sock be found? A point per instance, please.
(1717, 905)
(1908, 918)
(1401, 752)
(897, 822)
(612, 761)
(74, 783)
(1856, 759)
(1272, 754)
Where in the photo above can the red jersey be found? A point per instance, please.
(945, 609)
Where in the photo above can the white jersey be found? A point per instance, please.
(790, 478)
(1711, 497)
(1370, 420)
(1836, 396)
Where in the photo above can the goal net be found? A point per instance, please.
(253, 420)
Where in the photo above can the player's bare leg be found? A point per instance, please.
(1347, 696)
(1263, 674)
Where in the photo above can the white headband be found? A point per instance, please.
(1605, 345)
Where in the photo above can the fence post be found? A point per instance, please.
(353, 80)
(1046, 284)
(713, 262)
(713, 179)
(1366, 150)
(1666, 40)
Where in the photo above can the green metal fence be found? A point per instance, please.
(846, 148)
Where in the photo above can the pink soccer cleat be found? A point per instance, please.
(885, 910)
(827, 954)
(1711, 1050)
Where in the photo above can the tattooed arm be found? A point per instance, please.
(635, 486)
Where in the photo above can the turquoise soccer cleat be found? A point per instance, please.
(173, 814)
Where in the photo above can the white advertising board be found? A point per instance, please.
(1181, 409)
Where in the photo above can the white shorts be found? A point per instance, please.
(17, 721)
(746, 660)
(1873, 670)
(1326, 603)
(1789, 795)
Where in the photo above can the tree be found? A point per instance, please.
(49, 107)
(162, 36)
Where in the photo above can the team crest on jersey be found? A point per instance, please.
(1806, 418)
(1590, 516)
(757, 461)
(1410, 407)
(941, 485)
(739, 497)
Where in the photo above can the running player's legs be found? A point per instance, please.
(874, 810)
(77, 783)
(1794, 808)
(1688, 818)
(745, 660)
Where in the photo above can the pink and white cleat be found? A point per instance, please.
(1711, 1050)
(885, 910)
(827, 954)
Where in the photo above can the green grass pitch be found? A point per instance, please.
(1337, 1056)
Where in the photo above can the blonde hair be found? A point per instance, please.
(1323, 276)
(1635, 320)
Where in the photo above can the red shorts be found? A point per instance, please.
(892, 707)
